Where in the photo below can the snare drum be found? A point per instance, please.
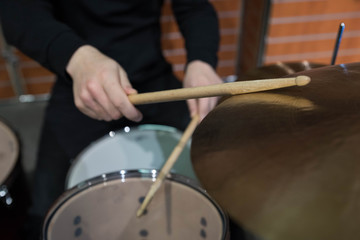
(142, 147)
(105, 208)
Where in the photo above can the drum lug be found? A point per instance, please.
(5, 195)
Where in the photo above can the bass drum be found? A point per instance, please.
(14, 196)
(105, 208)
(141, 147)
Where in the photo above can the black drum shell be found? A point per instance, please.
(12, 216)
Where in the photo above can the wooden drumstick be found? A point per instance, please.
(223, 89)
(168, 164)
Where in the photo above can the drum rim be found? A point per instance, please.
(142, 127)
(124, 174)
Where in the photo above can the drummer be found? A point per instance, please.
(100, 53)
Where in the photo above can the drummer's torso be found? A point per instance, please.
(127, 17)
(127, 31)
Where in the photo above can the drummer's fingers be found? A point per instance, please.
(120, 100)
(204, 107)
(87, 105)
(213, 102)
(105, 108)
(125, 83)
(91, 113)
(192, 105)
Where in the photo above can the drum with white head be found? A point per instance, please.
(141, 147)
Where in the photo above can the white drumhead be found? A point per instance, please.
(9, 151)
(107, 210)
(142, 147)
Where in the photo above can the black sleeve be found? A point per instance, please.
(30, 26)
(199, 25)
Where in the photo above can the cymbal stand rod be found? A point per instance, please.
(337, 43)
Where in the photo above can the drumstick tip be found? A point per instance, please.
(302, 80)
(139, 212)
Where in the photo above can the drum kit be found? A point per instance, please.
(280, 164)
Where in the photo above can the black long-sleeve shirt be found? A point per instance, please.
(49, 31)
(128, 31)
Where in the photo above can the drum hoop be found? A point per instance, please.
(143, 127)
(124, 174)
(12, 133)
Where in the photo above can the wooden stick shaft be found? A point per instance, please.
(224, 89)
(168, 164)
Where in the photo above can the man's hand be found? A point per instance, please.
(199, 73)
(101, 86)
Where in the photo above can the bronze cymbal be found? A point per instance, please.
(285, 164)
(280, 69)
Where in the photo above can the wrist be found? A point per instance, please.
(198, 64)
(77, 58)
